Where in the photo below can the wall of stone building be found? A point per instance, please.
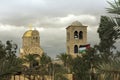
(21, 77)
(115, 76)
(18, 77)
(69, 76)
(48, 77)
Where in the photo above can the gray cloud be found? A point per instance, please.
(50, 17)
(22, 12)
(53, 41)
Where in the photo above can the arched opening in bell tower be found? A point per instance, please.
(75, 34)
(75, 49)
(80, 35)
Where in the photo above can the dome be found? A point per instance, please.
(76, 23)
(29, 33)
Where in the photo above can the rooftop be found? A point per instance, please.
(76, 23)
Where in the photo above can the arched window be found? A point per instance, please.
(75, 34)
(75, 49)
(35, 64)
(80, 35)
(36, 37)
(33, 37)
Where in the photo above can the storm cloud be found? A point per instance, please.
(50, 17)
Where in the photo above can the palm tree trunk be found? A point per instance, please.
(42, 77)
(19, 77)
(14, 77)
(29, 77)
(24, 77)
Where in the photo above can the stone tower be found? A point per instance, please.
(76, 36)
(31, 43)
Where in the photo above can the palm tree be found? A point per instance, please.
(81, 68)
(63, 57)
(10, 64)
(31, 61)
(110, 70)
(115, 10)
(2, 50)
(45, 62)
(109, 67)
(9, 67)
(59, 72)
(36, 65)
(67, 61)
(114, 7)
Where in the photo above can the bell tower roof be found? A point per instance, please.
(76, 23)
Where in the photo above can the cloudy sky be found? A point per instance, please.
(50, 17)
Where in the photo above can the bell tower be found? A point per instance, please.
(76, 36)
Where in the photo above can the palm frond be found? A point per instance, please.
(114, 7)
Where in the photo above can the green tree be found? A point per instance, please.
(9, 63)
(81, 69)
(31, 59)
(109, 28)
(45, 62)
(109, 33)
(59, 72)
(110, 69)
(114, 7)
(67, 61)
(63, 58)
(2, 50)
(31, 63)
(115, 10)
